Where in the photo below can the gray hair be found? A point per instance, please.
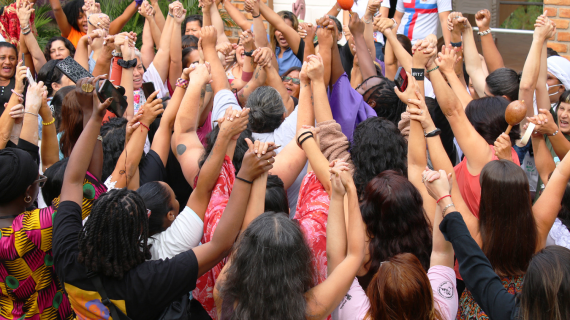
(266, 109)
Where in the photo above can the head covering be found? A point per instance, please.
(18, 171)
(560, 68)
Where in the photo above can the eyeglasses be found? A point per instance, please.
(41, 181)
(295, 80)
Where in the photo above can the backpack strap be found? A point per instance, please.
(116, 313)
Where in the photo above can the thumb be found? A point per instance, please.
(249, 143)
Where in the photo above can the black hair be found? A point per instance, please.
(562, 98)
(72, 10)
(49, 74)
(56, 103)
(487, 115)
(405, 42)
(286, 73)
(337, 22)
(113, 133)
(5, 44)
(551, 52)
(189, 40)
(54, 174)
(385, 101)
(186, 56)
(266, 109)
(67, 43)
(115, 238)
(564, 213)
(239, 152)
(275, 195)
(504, 82)
(190, 18)
(376, 146)
(157, 200)
(272, 251)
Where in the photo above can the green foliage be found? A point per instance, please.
(45, 25)
(523, 17)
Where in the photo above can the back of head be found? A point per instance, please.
(405, 42)
(18, 171)
(266, 109)
(504, 82)
(487, 115)
(57, 104)
(157, 200)
(72, 10)
(189, 40)
(505, 213)
(50, 74)
(276, 195)
(401, 290)
(186, 57)
(239, 152)
(54, 174)
(113, 134)
(68, 45)
(385, 102)
(270, 272)
(71, 123)
(546, 288)
(114, 239)
(337, 23)
(377, 145)
(392, 210)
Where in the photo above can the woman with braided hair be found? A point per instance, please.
(111, 248)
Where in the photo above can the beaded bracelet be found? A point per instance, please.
(182, 83)
(48, 123)
(18, 94)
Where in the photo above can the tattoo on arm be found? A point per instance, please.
(180, 149)
(209, 88)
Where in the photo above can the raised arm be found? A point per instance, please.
(472, 59)
(324, 298)
(447, 60)
(364, 59)
(147, 48)
(60, 18)
(119, 23)
(210, 253)
(219, 78)
(150, 25)
(10, 114)
(309, 30)
(158, 16)
(162, 58)
(29, 39)
(176, 66)
(492, 55)
(34, 98)
(368, 18)
(237, 16)
(82, 53)
(443, 21)
(125, 45)
(259, 30)
(388, 27)
(49, 147)
(290, 34)
(336, 228)
(328, 50)
(80, 158)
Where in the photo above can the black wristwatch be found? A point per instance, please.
(433, 133)
(127, 64)
(418, 73)
(248, 53)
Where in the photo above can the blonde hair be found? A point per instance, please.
(284, 15)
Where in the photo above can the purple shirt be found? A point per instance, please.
(348, 107)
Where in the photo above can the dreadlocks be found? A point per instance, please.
(114, 239)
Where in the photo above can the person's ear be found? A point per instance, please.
(171, 216)
(372, 104)
(562, 89)
(504, 96)
(55, 86)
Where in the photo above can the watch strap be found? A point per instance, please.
(435, 132)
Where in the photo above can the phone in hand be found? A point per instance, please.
(148, 89)
(107, 90)
(23, 59)
(401, 79)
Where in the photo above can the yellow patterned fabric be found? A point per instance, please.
(29, 287)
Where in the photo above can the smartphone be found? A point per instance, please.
(73, 70)
(401, 79)
(148, 89)
(23, 59)
(108, 90)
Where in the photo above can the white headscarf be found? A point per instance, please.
(560, 68)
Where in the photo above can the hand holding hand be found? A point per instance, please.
(133, 124)
(252, 6)
(418, 111)
(247, 39)
(201, 75)
(34, 96)
(253, 166)
(447, 59)
(337, 169)
(17, 112)
(233, 123)
(315, 68)
(24, 13)
(100, 21)
(384, 24)
(209, 37)
(307, 31)
(544, 123)
(263, 56)
(438, 183)
(372, 8)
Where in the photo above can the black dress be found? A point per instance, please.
(6, 93)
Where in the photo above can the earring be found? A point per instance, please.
(28, 199)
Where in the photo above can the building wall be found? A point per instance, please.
(559, 12)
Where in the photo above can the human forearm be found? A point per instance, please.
(260, 33)
(158, 16)
(458, 88)
(176, 66)
(127, 83)
(355, 236)
(81, 53)
(542, 158)
(364, 59)
(155, 32)
(162, 58)
(103, 63)
(529, 76)
(256, 203)
(473, 62)
(336, 69)
(117, 25)
(34, 50)
(319, 163)
(50, 146)
(237, 16)
(336, 233)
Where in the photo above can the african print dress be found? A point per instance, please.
(29, 287)
(470, 310)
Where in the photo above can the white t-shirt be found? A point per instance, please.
(152, 75)
(360, 8)
(355, 303)
(183, 234)
(421, 17)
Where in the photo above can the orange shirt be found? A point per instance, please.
(74, 36)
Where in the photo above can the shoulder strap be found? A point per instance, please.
(116, 313)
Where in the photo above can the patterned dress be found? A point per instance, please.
(10, 24)
(470, 310)
(312, 214)
(29, 287)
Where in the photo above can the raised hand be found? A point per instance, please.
(99, 21)
(424, 53)
(372, 8)
(86, 94)
(247, 39)
(420, 112)
(544, 123)
(438, 183)
(323, 34)
(483, 20)
(338, 167)
(132, 125)
(20, 75)
(234, 122)
(454, 21)
(384, 24)
(307, 31)
(315, 68)
(205, 5)
(24, 13)
(253, 166)
(410, 92)
(151, 109)
(303, 76)
(252, 6)
(209, 36)
(503, 147)
(201, 75)
(356, 25)
(146, 10)
(447, 59)
(263, 56)
(179, 14)
(34, 97)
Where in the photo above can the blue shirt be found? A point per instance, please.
(287, 61)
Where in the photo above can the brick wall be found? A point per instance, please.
(559, 12)
(233, 33)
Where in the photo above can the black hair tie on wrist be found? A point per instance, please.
(246, 181)
(127, 64)
(307, 137)
(257, 16)
(301, 135)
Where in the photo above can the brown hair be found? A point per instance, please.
(401, 290)
(71, 123)
(506, 222)
(286, 15)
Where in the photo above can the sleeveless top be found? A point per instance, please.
(470, 310)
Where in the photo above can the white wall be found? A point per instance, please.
(315, 8)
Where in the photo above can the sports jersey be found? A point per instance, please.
(420, 17)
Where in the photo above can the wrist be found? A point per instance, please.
(445, 201)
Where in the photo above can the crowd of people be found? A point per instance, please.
(321, 170)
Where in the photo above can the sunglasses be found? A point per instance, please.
(41, 181)
(295, 80)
